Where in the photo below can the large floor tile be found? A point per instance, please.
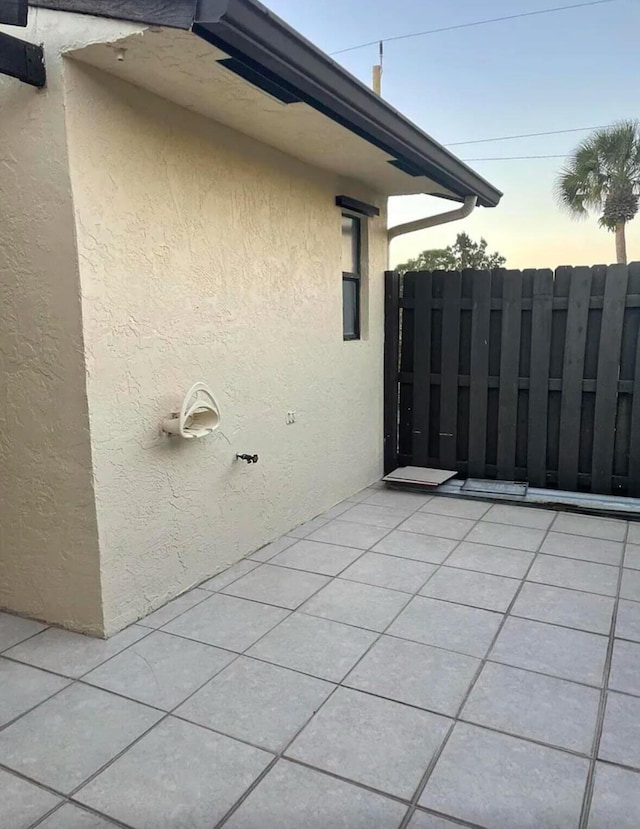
(69, 737)
(416, 546)
(628, 620)
(22, 687)
(632, 556)
(577, 575)
(625, 667)
(620, 742)
(326, 559)
(258, 702)
(468, 587)
(502, 782)
(592, 527)
(73, 654)
(356, 604)
(292, 796)
(227, 622)
(161, 670)
(505, 535)
(231, 574)
(267, 552)
(567, 654)
(633, 536)
(458, 507)
(616, 799)
(14, 629)
(444, 526)
(559, 606)
(172, 609)
(22, 803)
(389, 571)
(374, 741)
(486, 558)
(583, 548)
(70, 816)
(534, 706)
(315, 646)
(375, 516)
(310, 526)
(279, 586)
(454, 627)
(630, 587)
(178, 775)
(416, 674)
(519, 516)
(397, 499)
(349, 534)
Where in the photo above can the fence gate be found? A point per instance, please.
(516, 375)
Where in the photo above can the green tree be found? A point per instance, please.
(603, 175)
(463, 253)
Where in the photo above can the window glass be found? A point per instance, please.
(350, 244)
(350, 311)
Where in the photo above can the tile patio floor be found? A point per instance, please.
(401, 661)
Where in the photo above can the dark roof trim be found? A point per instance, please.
(357, 206)
(176, 14)
(250, 33)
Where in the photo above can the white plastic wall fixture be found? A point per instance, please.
(199, 415)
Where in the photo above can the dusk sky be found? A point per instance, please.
(569, 69)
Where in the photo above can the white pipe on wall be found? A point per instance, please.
(431, 221)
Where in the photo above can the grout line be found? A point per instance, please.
(590, 782)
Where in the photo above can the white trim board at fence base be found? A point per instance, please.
(419, 476)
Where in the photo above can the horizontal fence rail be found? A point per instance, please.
(516, 375)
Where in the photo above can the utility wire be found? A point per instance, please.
(474, 23)
(523, 135)
(515, 157)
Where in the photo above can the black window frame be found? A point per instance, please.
(355, 278)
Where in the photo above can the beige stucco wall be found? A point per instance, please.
(49, 565)
(205, 255)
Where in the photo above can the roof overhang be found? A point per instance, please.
(314, 109)
(264, 43)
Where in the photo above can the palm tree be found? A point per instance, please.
(603, 175)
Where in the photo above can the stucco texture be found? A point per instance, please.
(49, 561)
(205, 255)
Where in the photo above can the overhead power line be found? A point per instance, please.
(523, 135)
(515, 157)
(474, 23)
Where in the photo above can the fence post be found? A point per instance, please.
(391, 366)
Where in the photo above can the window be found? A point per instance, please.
(351, 274)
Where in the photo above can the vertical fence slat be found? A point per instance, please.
(572, 376)
(634, 442)
(391, 364)
(405, 400)
(421, 370)
(509, 370)
(449, 373)
(478, 384)
(541, 318)
(607, 380)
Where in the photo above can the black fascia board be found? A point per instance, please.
(175, 14)
(247, 31)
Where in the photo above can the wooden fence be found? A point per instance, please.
(517, 375)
